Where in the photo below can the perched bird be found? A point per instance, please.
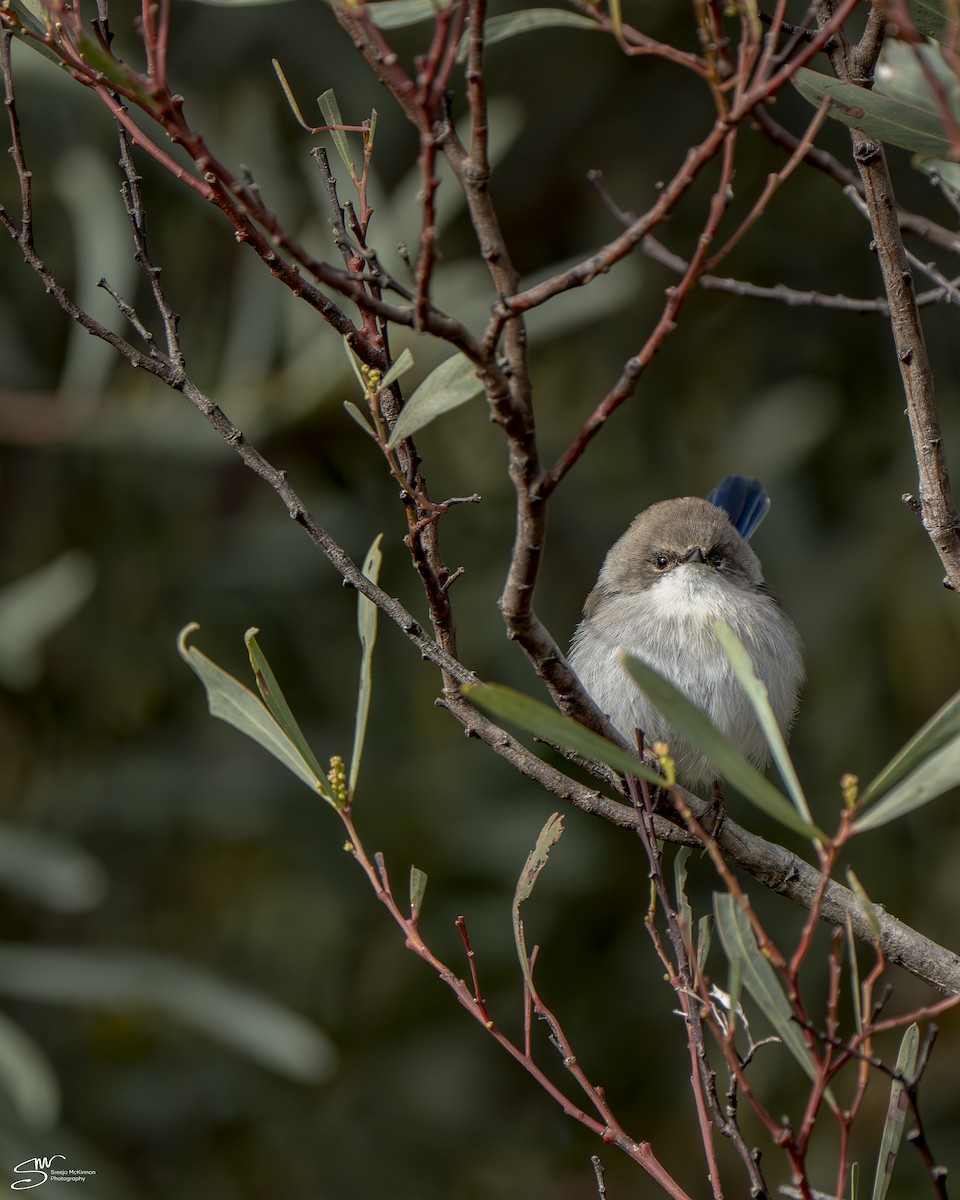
(682, 565)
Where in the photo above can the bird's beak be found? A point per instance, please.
(694, 555)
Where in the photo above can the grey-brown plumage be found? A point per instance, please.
(680, 567)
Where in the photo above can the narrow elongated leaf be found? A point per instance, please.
(866, 904)
(684, 912)
(756, 691)
(394, 14)
(856, 996)
(367, 613)
(402, 364)
(230, 701)
(27, 1077)
(896, 1118)
(117, 979)
(418, 886)
(36, 19)
(760, 980)
(704, 941)
(331, 116)
(354, 366)
(276, 702)
(938, 774)
(536, 860)
(545, 722)
(942, 727)
(453, 383)
(38, 14)
(696, 727)
(508, 25)
(914, 124)
(360, 419)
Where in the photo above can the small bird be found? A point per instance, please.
(682, 565)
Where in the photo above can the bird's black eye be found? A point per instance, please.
(661, 561)
(715, 557)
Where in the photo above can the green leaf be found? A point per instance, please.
(896, 1118)
(37, 14)
(36, 20)
(866, 904)
(453, 383)
(508, 25)
(367, 628)
(948, 172)
(761, 980)
(705, 927)
(402, 365)
(331, 116)
(915, 124)
(684, 912)
(536, 860)
(230, 701)
(904, 73)
(360, 419)
(938, 774)
(276, 702)
(27, 1077)
(756, 691)
(355, 365)
(117, 979)
(943, 727)
(696, 727)
(933, 18)
(394, 14)
(856, 996)
(418, 886)
(545, 722)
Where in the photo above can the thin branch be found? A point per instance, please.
(938, 508)
(697, 159)
(772, 865)
(792, 297)
(667, 323)
(774, 181)
(469, 998)
(922, 227)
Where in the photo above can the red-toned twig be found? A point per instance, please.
(774, 182)
(772, 865)
(601, 262)
(637, 44)
(461, 925)
(675, 298)
(682, 976)
(604, 1125)
(821, 160)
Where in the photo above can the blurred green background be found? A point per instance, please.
(136, 824)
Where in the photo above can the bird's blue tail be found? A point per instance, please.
(744, 500)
